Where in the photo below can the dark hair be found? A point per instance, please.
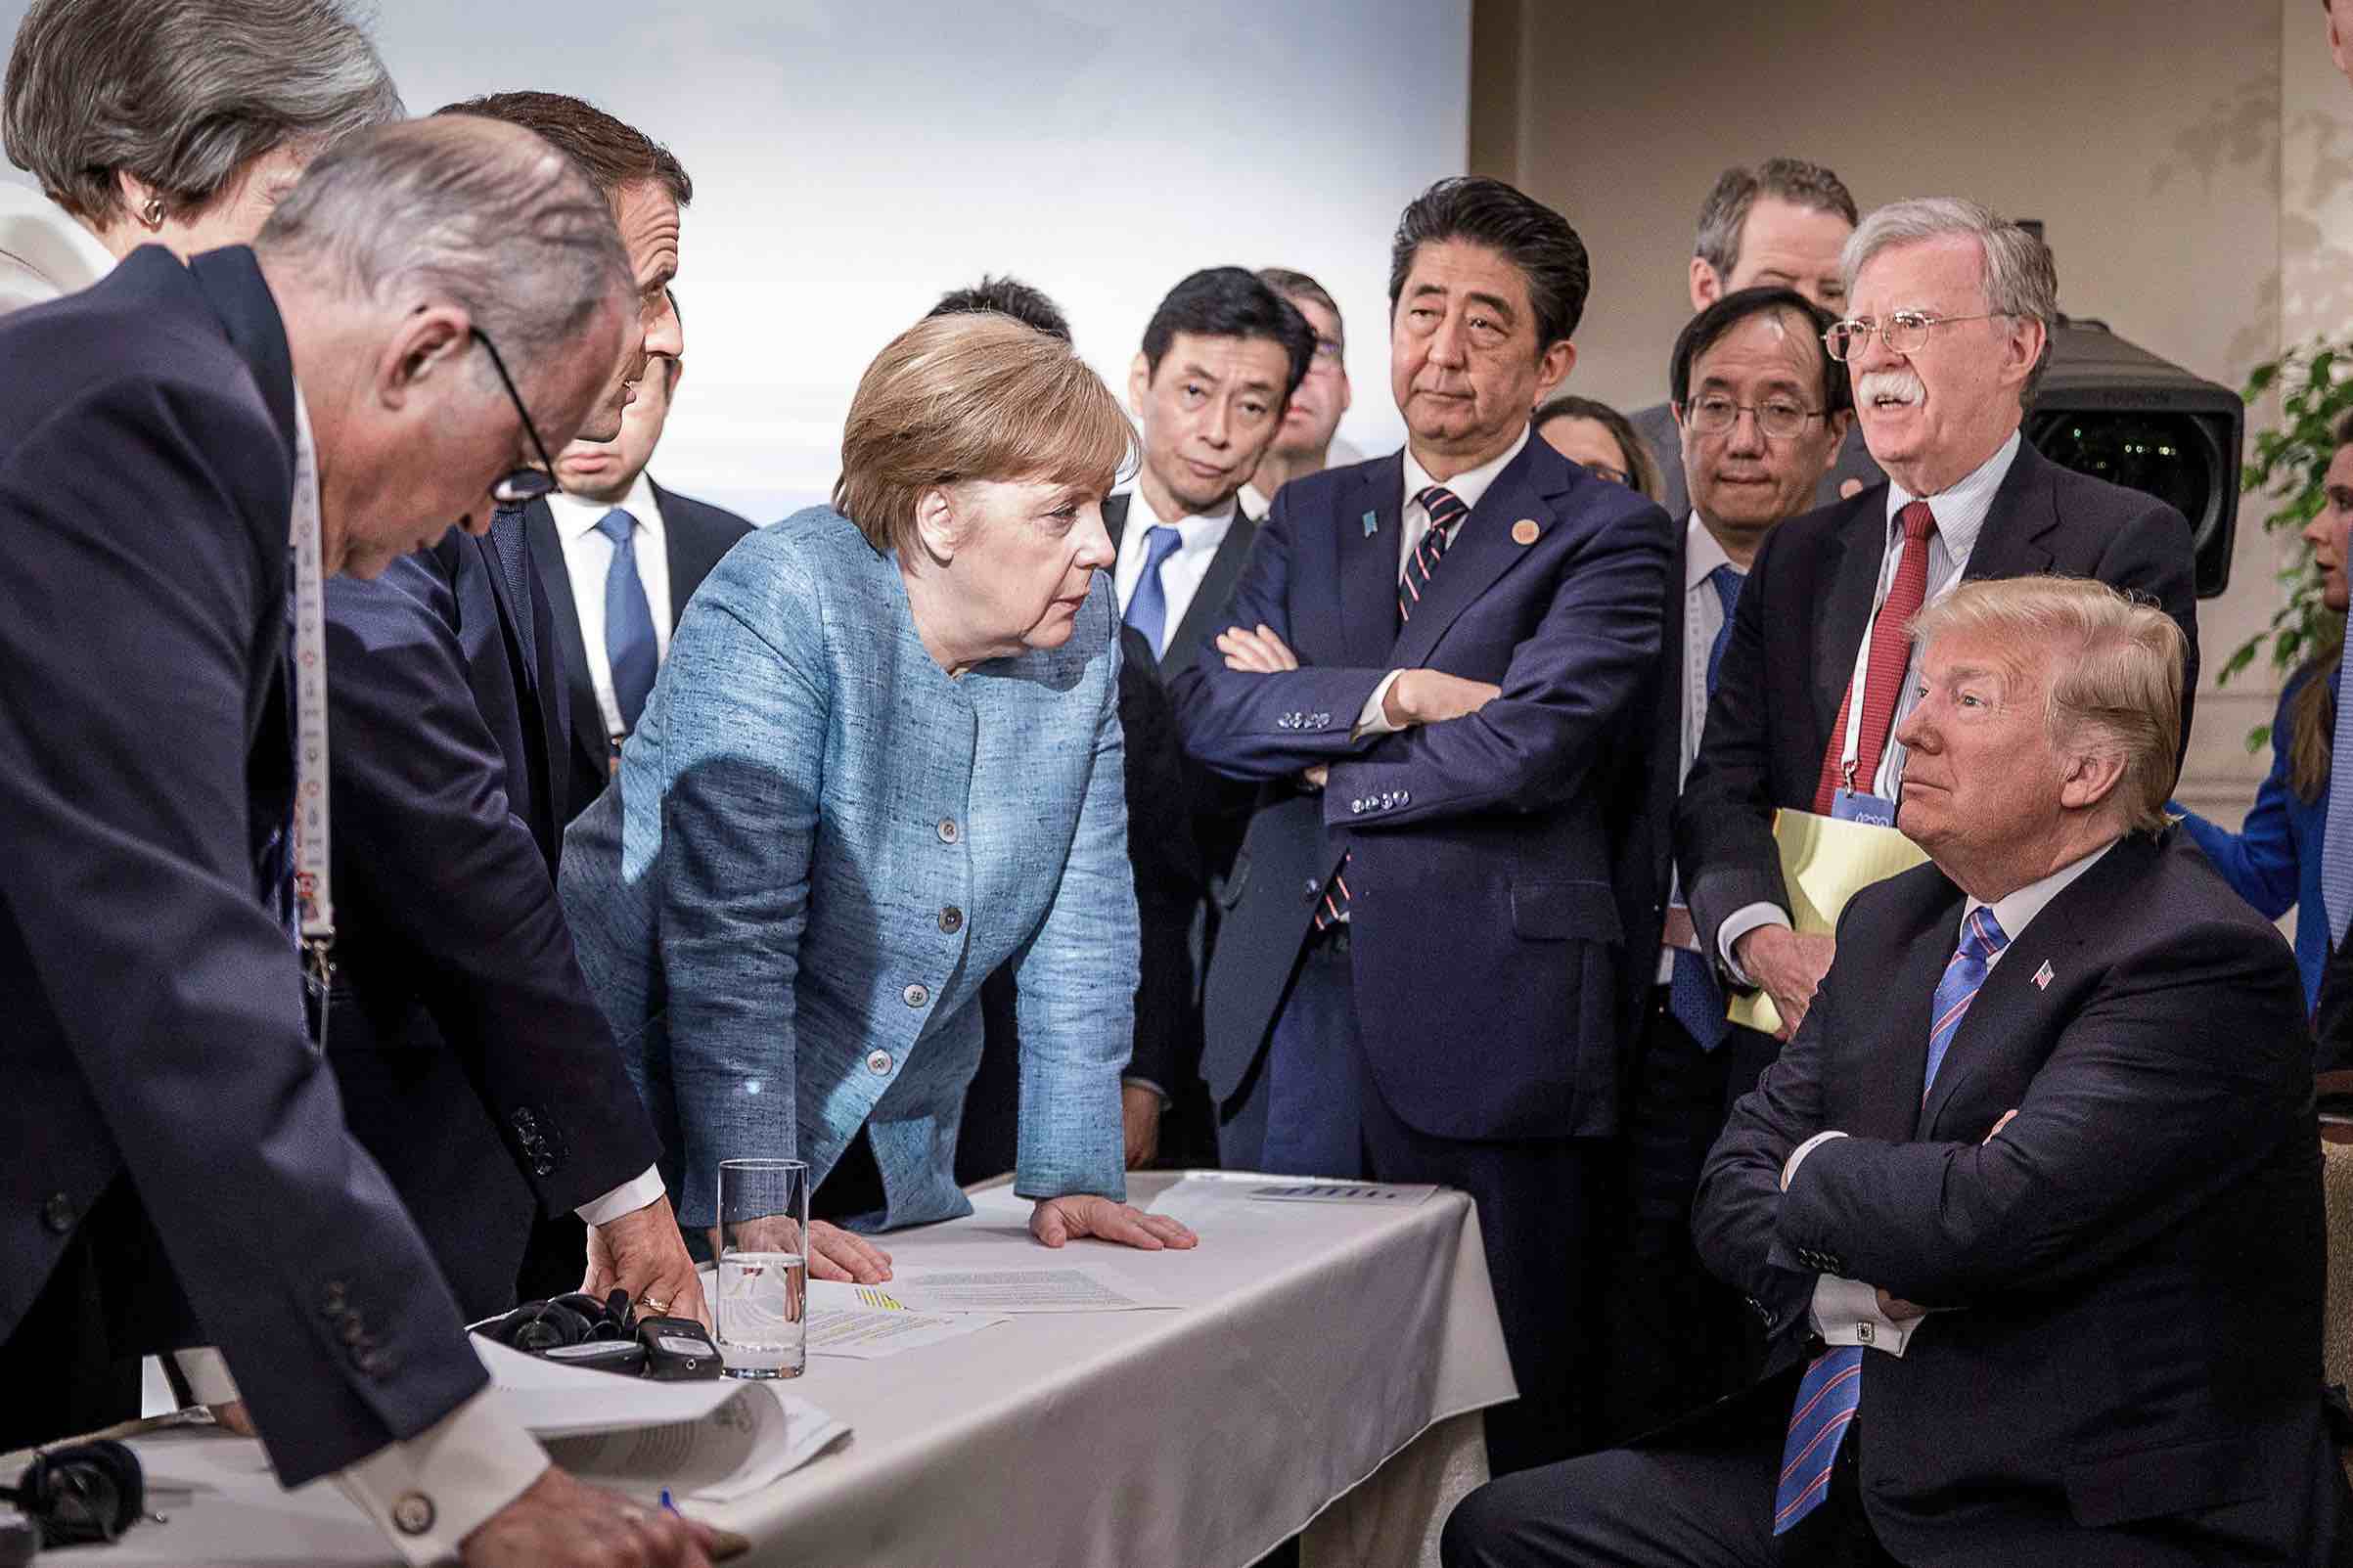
(615, 155)
(1703, 330)
(1230, 303)
(1297, 284)
(2312, 714)
(1007, 296)
(1725, 212)
(1529, 235)
(1642, 469)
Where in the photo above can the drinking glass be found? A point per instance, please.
(763, 1268)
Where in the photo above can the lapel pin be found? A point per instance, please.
(1524, 531)
(1371, 524)
(2044, 976)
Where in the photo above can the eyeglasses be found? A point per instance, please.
(1905, 331)
(1713, 414)
(1603, 471)
(525, 484)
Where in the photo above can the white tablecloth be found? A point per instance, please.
(1318, 1341)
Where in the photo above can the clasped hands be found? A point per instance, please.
(1416, 696)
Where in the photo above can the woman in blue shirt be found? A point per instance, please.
(2274, 860)
(884, 758)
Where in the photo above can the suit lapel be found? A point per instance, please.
(1484, 549)
(1850, 574)
(2025, 508)
(1201, 617)
(1890, 1087)
(1114, 519)
(556, 587)
(1368, 562)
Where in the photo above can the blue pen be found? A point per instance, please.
(667, 1506)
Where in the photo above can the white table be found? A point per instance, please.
(1327, 1354)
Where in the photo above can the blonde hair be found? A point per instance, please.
(2115, 672)
(975, 396)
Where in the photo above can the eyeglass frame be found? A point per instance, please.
(1805, 416)
(517, 486)
(1926, 320)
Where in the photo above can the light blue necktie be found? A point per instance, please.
(1832, 1390)
(1692, 996)
(629, 644)
(2336, 840)
(1148, 605)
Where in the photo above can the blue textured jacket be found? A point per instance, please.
(2274, 860)
(820, 845)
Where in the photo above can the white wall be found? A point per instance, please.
(854, 158)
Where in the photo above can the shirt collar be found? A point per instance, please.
(2014, 911)
(1702, 554)
(1960, 507)
(1196, 530)
(576, 517)
(1467, 486)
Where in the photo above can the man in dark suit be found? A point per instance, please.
(1441, 666)
(1780, 225)
(179, 1167)
(1819, 669)
(2031, 1205)
(630, 594)
(478, 1066)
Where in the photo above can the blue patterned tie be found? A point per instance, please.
(1832, 1390)
(1148, 605)
(628, 623)
(1692, 996)
(2336, 842)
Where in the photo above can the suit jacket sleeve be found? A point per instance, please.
(1724, 818)
(1167, 869)
(2184, 1071)
(1240, 722)
(426, 842)
(1569, 691)
(123, 756)
(1076, 982)
(743, 760)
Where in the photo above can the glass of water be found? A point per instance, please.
(763, 1267)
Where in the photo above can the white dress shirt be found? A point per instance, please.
(1181, 574)
(1413, 523)
(1846, 1312)
(1960, 511)
(588, 559)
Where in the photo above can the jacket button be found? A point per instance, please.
(1405, 797)
(58, 1213)
(1313, 888)
(1356, 808)
(413, 1514)
(914, 996)
(949, 833)
(950, 919)
(877, 1062)
(543, 1167)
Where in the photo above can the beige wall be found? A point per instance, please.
(2151, 140)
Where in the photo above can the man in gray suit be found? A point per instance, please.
(1779, 225)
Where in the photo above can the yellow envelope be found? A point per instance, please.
(1826, 861)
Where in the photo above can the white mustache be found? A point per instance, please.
(1902, 385)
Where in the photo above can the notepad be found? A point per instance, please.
(1824, 862)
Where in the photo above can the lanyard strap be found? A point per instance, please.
(313, 888)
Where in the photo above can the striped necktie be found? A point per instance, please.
(2336, 838)
(1832, 1390)
(1446, 512)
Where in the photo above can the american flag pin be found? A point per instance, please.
(2043, 976)
(1371, 524)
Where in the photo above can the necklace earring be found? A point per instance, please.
(152, 214)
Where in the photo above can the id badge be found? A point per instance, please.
(1850, 805)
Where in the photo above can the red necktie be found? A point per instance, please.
(1891, 654)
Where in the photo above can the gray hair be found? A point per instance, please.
(1725, 212)
(2115, 663)
(180, 94)
(464, 210)
(2019, 278)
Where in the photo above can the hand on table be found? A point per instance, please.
(1259, 651)
(1140, 1123)
(1789, 966)
(1055, 1220)
(561, 1520)
(1433, 697)
(642, 1253)
(832, 1253)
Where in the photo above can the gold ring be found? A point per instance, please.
(657, 1305)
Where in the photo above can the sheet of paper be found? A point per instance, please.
(846, 1320)
(1401, 1196)
(1219, 1200)
(756, 1435)
(1035, 1287)
(1824, 862)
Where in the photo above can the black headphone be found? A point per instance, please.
(81, 1494)
(575, 1318)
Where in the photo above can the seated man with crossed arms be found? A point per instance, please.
(2030, 1204)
